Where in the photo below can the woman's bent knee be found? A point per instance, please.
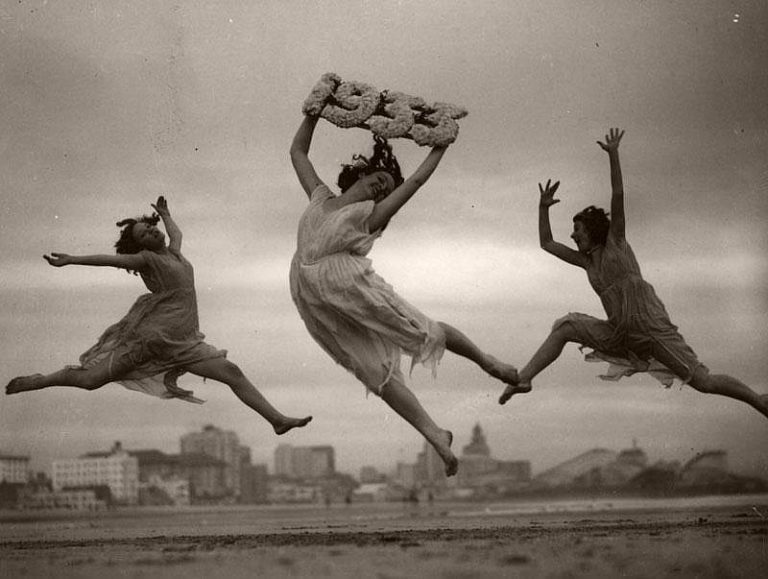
(90, 381)
(701, 380)
(232, 370)
(564, 331)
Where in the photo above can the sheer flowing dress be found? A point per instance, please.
(149, 348)
(638, 329)
(350, 311)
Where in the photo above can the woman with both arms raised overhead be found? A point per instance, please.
(355, 316)
(638, 335)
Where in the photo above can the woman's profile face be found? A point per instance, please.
(581, 237)
(148, 236)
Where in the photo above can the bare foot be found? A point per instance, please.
(450, 460)
(23, 384)
(512, 389)
(290, 424)
(507, 373)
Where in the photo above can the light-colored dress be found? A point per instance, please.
(355, 316)
(638, 331)
(148, 349)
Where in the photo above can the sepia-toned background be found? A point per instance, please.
(106, 105)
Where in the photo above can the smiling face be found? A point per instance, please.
(148, 236)
(581, 237)
(376, 187)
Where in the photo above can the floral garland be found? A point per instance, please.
(389, 114)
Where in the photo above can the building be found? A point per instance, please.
(294, 492)
(173, 490)
(598, 468)
(706, 469)
(370, 475)
(14, 468)
(305, 462)
(75, 499)
(116, 469)
(255, 485)
(222, 445)
(488, 476)
(370, 493)
(204, 475)
(475, 460)
(430, 468)
(405, 475)
(284, 460)
(578, 468)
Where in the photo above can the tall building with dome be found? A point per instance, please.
(478, 470)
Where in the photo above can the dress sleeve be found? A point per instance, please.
(150, 258)
(357, 214)
(320, 194)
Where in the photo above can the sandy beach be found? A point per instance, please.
(560, 539)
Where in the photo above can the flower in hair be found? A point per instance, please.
(359, 162)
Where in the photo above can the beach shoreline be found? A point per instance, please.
(714, 540)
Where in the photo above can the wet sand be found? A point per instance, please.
(389, 541)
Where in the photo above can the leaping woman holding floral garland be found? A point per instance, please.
(355, 316)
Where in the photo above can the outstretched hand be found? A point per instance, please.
(161, 207)
(612, 140)
(58, 259)
(548, 193)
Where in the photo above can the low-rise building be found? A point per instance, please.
(116, 469)
(14, 468)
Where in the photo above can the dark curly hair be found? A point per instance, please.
(383, 159)
(596, 223)
(126, 243)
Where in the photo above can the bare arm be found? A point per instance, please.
(546, 241)
(132, 261)
(386, 209)
(305, 171)
(173, 231)
(611, 146)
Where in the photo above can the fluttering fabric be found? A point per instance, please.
(350, 311)
(148, 349)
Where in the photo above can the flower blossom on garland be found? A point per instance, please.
(437, 129)
(321, 92)
(356, 101)
(399, 114)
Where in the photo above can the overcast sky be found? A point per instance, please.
(106, 105)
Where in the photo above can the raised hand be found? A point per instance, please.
(58, 259)
(548, 193)
(612, 140)
(161, 207)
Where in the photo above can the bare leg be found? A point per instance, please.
(460, 344)
(548, 352)
(402, 401)
(729, 386)
(89, 379)
(222, 370)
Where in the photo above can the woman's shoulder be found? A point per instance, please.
(156, 258)
(617, 241)
(322, 192)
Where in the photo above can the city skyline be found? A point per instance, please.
(106, 106)
(461, 450)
